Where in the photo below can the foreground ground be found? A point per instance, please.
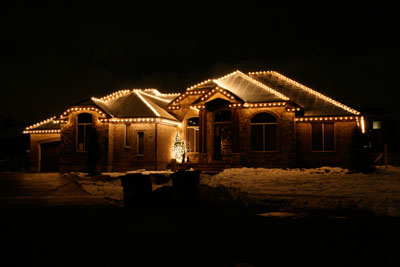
(319, 188)
(59, 231)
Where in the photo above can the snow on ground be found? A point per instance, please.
(325, 187)
(111, 188)
(318, 188)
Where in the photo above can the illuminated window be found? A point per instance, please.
(376, 125)
(192, 134)
(140, 143)
(83, 131)
(127, 135)
(263, 132)
(323, 136)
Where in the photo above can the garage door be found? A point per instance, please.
(50, 154)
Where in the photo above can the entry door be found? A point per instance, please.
(222, 141)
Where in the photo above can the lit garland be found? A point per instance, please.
(40, 123)
(113, 96)
(121, 93)
(174, 107)
(68, 111)
(147, 103)
(336, 103)
(199, 84)
(293, 109)
(140, 120)
(198, 107)
(340, 118)
(215, 91)
(259, 105)
(156, 97)
(41, 131)
(269, 89)
(181, 97)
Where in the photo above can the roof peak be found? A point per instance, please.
(120, 93)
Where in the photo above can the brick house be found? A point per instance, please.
(255, 119)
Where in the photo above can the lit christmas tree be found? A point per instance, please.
(178, 149)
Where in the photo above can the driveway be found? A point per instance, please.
(43, 189)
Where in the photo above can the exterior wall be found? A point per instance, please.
(286, 138)
(127, 158)
(70, 159)
(284, 156)
(340, 157)
(165, 141)
(35, 141)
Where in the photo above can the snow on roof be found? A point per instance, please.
(136, 103)
(313, 102)
(249, 89)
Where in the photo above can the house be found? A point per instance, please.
(255, 119)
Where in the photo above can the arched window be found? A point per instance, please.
(263, 132)
(192, 134)
(83, 131)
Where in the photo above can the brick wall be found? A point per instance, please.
(286, 137)
(126, 158)
(340, 157)
(70, 158)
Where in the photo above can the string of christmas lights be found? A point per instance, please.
(40, 123)
(288, 80)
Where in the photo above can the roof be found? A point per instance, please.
(249, 89)
(313, 102)
(255, 87)
(136, 104)
(46, 125)
(271, 86)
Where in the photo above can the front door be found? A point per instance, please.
(222, 141)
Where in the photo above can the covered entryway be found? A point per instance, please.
(49, 156)
(222, 134)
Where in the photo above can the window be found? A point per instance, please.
(263, 132)
(140, 143)
(192, 134)
(376, 125)
(323, 136)
(127, 135)
(83, 132)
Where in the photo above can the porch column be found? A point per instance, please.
(235, 126)
(202, 131)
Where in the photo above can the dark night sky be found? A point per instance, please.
(57, 54)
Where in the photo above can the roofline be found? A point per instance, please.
(40, 123)
(269, 89)
(332, 101)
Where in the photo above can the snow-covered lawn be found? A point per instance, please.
(111, 188)
(325, 187)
